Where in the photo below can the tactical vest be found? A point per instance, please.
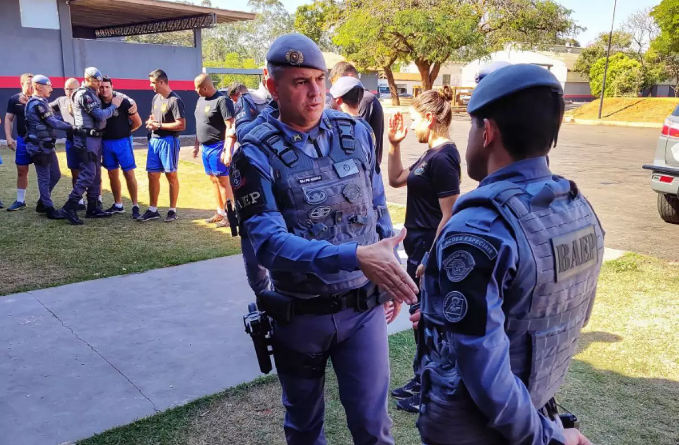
(560, 249)
(328, 198)
(40, 137)
(82, 118)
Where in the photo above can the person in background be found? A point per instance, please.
(15, 111)
(433, 185)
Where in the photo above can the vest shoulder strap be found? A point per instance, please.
(270, 140)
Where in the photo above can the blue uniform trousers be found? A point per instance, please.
(89, 179)
(356, 342)
(48, 176)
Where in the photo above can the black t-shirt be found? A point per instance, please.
(15, 107)
(370, 109)
(166, 111)
(211, 112)
(118, 126)
(435, 175)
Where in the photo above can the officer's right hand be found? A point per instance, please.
(117, 100)
(575, 437)
(12, 144)
(381, 267)
(397, 129)
(415, 319)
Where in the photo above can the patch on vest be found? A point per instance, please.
(314, 197)
(346, 168)
(574, 252)
(458, 265)
(310, 179)
(455, 306)
(236, 178)
(352, 192)
(472, 240)
(319, 212)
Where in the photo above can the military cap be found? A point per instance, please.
(93, 73)
(489, 68)
(296, 50)
(42, 80)
(509, 80)
(344, 85)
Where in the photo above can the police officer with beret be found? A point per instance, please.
(40, 138)
(511, 279)
(315, 211)
(90, 120)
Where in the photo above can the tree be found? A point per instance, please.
(666, 45)
(234, 60)
(621, 42)
(316, 21)
(625, 76)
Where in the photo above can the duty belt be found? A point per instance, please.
(362, 299)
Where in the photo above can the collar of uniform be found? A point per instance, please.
(520, 171)
(297, 138)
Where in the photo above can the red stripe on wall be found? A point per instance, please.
(120, 84)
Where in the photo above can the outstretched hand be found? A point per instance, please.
(397, 130)
(380, 266)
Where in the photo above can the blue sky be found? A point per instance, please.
(595, 15)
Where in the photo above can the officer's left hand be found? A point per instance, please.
(391, 310)
(226, 156)
(397, 130)
(575, 437)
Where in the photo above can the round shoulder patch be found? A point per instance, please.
(458, 265)
(455, 307)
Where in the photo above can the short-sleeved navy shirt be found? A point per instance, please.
(166, 111)
(211, 112)
(118, 126)
(17, 108)
(435, 175)
(370, 109)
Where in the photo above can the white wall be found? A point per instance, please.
(556, 66)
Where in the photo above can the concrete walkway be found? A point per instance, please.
(79, 359)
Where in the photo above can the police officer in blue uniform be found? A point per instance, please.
(40, 139)
(90, 119)
(511, 279)
(315, 211)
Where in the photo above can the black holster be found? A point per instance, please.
(260, 328)
(232, 217)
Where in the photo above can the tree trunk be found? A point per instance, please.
(423, 67)
(434, 72)
(392, 85)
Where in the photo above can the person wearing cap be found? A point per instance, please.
(15, 112)
(369, 108)
(166, 122)
(250, 104)
(313, 207)
(41, 124)
(511, 279)
(63, 106)
(90, 120)
(215, 138)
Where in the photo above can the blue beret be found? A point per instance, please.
(93, 73)
(509, 80)
(489, 68)
(42, 80)
(344, 85)
(296, 50)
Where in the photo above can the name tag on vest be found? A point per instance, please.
(346, 168)
(575, 252)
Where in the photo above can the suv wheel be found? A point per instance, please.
(668, 208)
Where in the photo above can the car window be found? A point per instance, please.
(676, 111)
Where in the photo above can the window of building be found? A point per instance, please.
(39, 14)
(446, 79)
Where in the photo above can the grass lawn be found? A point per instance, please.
(628, 109)
(623, 384)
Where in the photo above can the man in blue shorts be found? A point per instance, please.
(15, 111)
(62, 106)
(118, 152)
(166, 122)
(215, 137)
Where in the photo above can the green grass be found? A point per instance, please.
(37, 252)
(628, 109)
(623, 384)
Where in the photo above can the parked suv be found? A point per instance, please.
(665, 168)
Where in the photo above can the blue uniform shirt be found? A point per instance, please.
(247, 116)
(278, 249)
(478, 343)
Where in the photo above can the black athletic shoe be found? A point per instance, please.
(115, 209)
(97, 213)
(53, 213)
(171, 216)
(408, 390)
(40, 208)
(16, 205)
(72, 216)
(136, 214)
(81, 207)
(148, 216)
(410, 405)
